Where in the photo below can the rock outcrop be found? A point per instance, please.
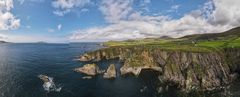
(84, 58)
(184, 69)
(138, 62)
(44, 78)
(49, 85)
(111, 72)
(89, 69)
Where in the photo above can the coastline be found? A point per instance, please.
(189, 71)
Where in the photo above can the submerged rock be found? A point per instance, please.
(87, 77)
(49, 84)
(111, 72)
(143, 89)
(89, 69)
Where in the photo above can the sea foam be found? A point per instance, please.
(49, 85)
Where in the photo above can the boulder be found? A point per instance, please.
(111, 72)
(44, 78)
(48, 83)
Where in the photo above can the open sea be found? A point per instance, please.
(21, 63)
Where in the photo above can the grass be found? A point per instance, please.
(136, 42)
(205, 42)
(182, 45)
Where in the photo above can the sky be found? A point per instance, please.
(64, 21)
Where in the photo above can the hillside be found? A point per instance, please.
(3, 41)
(232, 33)
(200, 42)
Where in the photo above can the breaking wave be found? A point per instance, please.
(50, 85)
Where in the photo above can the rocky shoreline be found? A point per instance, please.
(185, 70)
(92, 70)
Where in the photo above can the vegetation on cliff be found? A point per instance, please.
(195, 62)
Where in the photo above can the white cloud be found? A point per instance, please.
(7, 19)
(125, 23)
(65, 6)
(144, 5)
(147, 1)
(59, 27)
(23, 1)
(3, 37)
(84, 10)
(115, 10)
(227, 12)
(173, 8)
(32, 38)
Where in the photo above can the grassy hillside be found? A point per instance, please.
(200, 42)
(233, 33)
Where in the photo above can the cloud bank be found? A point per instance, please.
(127, 23)
(7, 19)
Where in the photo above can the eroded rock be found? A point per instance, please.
(48, 83)
(89, 69)
(84, 58)
(138, 62)
(111, 72)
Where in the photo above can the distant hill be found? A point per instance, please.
(232, 33)
(41, 42)
(1, 41)
(166, 37)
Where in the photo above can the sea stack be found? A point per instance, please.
(111, 72)
(88, 69)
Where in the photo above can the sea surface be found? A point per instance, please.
(21, 63)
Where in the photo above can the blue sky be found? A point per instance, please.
(102, 20)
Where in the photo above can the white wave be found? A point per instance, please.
(50, 86)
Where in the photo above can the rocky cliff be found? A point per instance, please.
(185, 70)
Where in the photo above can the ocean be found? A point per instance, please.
(22, 63)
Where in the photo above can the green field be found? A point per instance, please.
(198, 43)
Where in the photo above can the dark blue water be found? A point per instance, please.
(20, 64)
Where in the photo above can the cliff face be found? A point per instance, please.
(193, 70)
(232, 57)
(186, 70)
